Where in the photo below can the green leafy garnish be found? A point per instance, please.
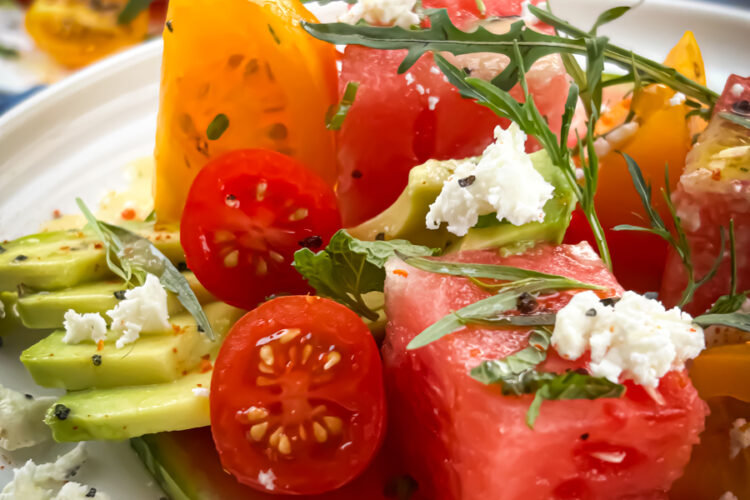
(131, 10)
(678, 241)
(517, 375)
(738, 320)
(739, 120)
(132, 257)
(217, 127)
(487, 309)
(608, 16)
(492, 271)
(348, 268)
(8, 53)
(336, 115)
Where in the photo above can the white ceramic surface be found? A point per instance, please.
(73, 139)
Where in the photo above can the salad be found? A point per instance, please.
(449, 249)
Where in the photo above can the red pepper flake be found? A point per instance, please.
(100, 345)
(206, 357)
(75, 427)
(157, 237)
(56, 214)
(176, 328)
(199, 385)
(400, 272)
(174, 350)
(65, 248)
(184, 372)
(98, 246)
(693, 330)
(128, 214)
(716, 174)
(205, 366)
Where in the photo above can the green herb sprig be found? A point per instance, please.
(337, 114)
(132, 258)
(349, 268)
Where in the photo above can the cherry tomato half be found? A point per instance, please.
(246, 214)
(297, 398)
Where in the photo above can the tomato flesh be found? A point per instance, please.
(297, 399)
(247, 212)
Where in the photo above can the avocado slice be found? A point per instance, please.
(152, 359)
(9, 320)
(61, 259)
(405, 219)
(126, 412)
(47, 309)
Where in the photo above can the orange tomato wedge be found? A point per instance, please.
(249, 72)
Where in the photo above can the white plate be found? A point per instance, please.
(73, 139)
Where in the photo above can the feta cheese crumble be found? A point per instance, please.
(728, 495)
(49, 481)
(739, 437)
(503, 180)
(266, 479)
(201, 392)
(677, 99)
(80, 327)
(432, 102)
(22, 419)
(636, 339)
(736, 90)
(383, 13)
(143, 309)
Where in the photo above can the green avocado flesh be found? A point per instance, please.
(152, 359)
(61, 259)
(133, 410)
(405, 219)
(187, 467)
(46, 309)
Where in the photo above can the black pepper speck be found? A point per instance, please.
(20, 258)
(120, 294)
(311, 242)
(526, 303)
(651, 295)
(171, 30)
(467, 181)
(2, 249)
(61, 411)
(29, 396)
(92, 492)
(356, 174)
(96, 359)
(584, 436)
(591, 313)
(182, 267)
(610, 301)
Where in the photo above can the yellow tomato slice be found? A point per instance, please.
(723, 371)
(252, 62)
(78, 32)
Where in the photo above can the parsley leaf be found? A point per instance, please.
(132, 257)
(348, 268)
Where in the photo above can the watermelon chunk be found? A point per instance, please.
(465, 440)
(714, 188)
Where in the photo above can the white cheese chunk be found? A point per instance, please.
(22, 419)
(80, 327)
(728, 495)
(736, 90)
(739, 437)
(677, 99)
(76, 491)
(383, 13)
(432, 102)
(267, 479)
(144, 309)
(636, 339)
(44, 481)
(503, 180)
(201, 392)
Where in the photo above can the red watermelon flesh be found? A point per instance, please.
(464, 440)
(400, 121)
(714, 188)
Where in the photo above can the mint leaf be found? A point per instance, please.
(348, 268)
(514, 372)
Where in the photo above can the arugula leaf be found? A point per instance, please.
(738, 320)
(485, 309)
(132, 257)
(337, 114)
(491, 271)
(608, 16)
(443, 36)
(679, 241)
(512, 320)
(572, 385)
(348, 268)
(131, 10)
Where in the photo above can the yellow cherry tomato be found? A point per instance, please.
(245, 75)
(78, 32)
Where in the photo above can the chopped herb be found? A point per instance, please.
(467, 181)
(131, 10)
(312, 242)
(169, 25)
(274, 35)
(61, 411)
(481, 7)
(217, 127)
(151, 217)
(96, 359)
(348, 268)
(8, 53)
(739, 120)
(20, 258)
(132, 257)
(336, 115)
(679, 242)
